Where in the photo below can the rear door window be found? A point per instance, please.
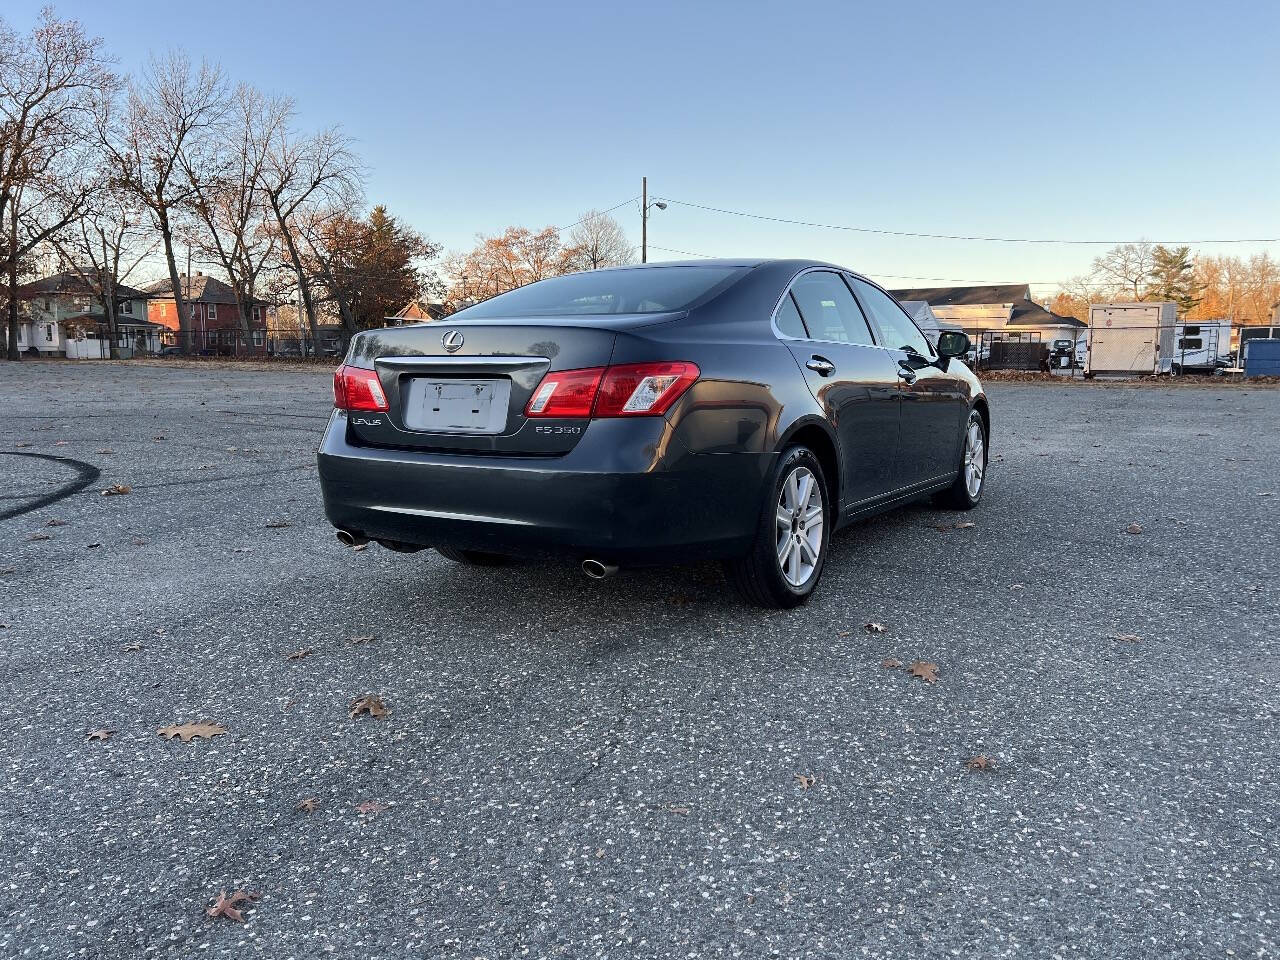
(829, 310)
(899, 331)
(788, 320)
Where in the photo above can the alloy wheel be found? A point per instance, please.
(974, 459)
(799, 529)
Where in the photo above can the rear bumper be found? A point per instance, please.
(628, 492)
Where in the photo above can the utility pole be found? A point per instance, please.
(644, 219)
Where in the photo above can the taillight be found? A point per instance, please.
(357, 389)
(565, 393)
(643, 389)
(621, 390)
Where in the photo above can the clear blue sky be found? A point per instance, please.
(1081, 120)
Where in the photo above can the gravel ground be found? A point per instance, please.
(613, 769)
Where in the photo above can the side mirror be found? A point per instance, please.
(952, 343)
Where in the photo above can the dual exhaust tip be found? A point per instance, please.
(595, 569)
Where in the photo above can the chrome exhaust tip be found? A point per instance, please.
(598, 570)
(352, 538)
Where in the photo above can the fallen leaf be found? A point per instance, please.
(926, 671)
(369, 704)
(308, 805)
(40, 536)
(1016, 586)
(6, 571)
(106, 450)
(92, 546)
(966, 525)
(140, 542)
(242, 549)
(683, 811)
(131, 647)
(805, 780)
(360, 547)
(1266, 493)
(299, 654)
(844, 633)
(891, 663)
(226, 906)
(359, 641)
(1133, 528)
(117, 490)
(55, 522)
(371, 808)
(277, 524)
(102, 734)
(186, 732)
(980, 762)
(21, 443)
(1125, 637)
(875, 628)
(159, 436)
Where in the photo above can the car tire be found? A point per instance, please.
(966, 492)
(766, 576)
(473, 558)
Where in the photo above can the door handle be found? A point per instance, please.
(906, 374)
(821, 365)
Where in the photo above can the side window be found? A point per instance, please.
(788, 319)
(900, 333)
(829, 310)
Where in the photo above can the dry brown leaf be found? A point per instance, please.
(186, 732)
(369, 704)
(101, 734)
(926, 671)
(358, 641)
(7, 571)
(299, 654)
(227, 905)
(309, 805)
(106, 450)
(874, 628)
(805, 780)
(980, 762)
(891, 663)
(1133, 528)
(1125, 637)
(967, 525)
(371, 808)
(360, 547)
(117, 490)
(1016, 586)
(21, 443)
(40, 536)
(844, 633)
(682, 811)
(55, 522)
(92, 546)
(277, 524)
(131, 647)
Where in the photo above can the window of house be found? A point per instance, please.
(899, 330)
(829, 310)
(257, 338)
(127, 306)
(169, 338)
(213, 311)
(257, 313)
(48, 333)
(195, 311)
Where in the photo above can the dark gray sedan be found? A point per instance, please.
(735, 409)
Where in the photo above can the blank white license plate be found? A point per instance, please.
(457, 406)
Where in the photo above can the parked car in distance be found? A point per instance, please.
(657, 414)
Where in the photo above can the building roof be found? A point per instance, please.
(1031, 314)
(966, 296)
(101, 319)
(69, 282)
(201, 288)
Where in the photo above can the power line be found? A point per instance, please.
(948, 236)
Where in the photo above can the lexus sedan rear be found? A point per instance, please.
(657, 414)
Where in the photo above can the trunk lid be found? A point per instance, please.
(463, 386)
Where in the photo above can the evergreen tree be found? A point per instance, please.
(1173, 277)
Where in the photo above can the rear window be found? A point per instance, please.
(643, 290)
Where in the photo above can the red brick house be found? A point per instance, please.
(215, 320)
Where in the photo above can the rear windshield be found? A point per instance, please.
(643, 290)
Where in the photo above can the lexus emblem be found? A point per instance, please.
(453, 341)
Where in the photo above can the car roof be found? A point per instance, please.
(799, 264)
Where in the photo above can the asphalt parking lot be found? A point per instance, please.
(621, 769)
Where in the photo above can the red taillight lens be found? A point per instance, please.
(565, 393)
(621, 390)
(356, 389)
(643, 389)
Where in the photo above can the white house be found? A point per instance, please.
(63, 315)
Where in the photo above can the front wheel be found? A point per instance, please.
(965, 493)
(785, 561)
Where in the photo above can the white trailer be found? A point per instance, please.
(1132, 338)
(1202, 347)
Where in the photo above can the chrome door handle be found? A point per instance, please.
(906, 375)
(821, 366)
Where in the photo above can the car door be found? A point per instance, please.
(854, 380)
(935, 402)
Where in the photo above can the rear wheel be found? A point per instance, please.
(473, 558)
(785, 562)
(965, 493)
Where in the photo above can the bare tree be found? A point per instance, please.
(598, 240)
(1126, 268)
(52, 86)
(165, 133)
(227, 194)
(302, 174)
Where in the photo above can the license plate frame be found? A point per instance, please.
(460, 405)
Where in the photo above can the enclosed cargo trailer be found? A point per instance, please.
(1131, 338)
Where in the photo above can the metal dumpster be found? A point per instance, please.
(1261, 358)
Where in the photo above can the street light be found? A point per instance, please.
(645, 206)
